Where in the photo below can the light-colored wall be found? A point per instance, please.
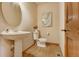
(28, 21)
(62, 26)
(54, 29)
(29, 16)
(58, 20)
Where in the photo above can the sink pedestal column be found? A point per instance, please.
(18, 48)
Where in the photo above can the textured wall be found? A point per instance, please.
(53, 30)
(62, 26)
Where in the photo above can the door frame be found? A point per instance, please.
(66, 41)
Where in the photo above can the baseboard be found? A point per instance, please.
(48, 43)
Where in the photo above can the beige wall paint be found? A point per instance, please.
(62, 26)
(29, 16)
(53, 30)
(56, 35)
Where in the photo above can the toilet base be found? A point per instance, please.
(41, 44)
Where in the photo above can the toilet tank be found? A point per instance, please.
(36, 34)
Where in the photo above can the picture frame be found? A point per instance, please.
(47, 19)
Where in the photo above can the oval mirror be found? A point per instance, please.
(12, 13)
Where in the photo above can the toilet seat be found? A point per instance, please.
(41, 42)
(42, 39)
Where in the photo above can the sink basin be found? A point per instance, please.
(14, 35)
(17, 36)
(14, 32)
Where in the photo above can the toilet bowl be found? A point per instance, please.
(41, 42)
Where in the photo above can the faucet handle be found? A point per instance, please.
(7, 29)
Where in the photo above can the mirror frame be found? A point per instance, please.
(5, 18)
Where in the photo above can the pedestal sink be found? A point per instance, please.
(17, 36)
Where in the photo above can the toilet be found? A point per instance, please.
(41, 42)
